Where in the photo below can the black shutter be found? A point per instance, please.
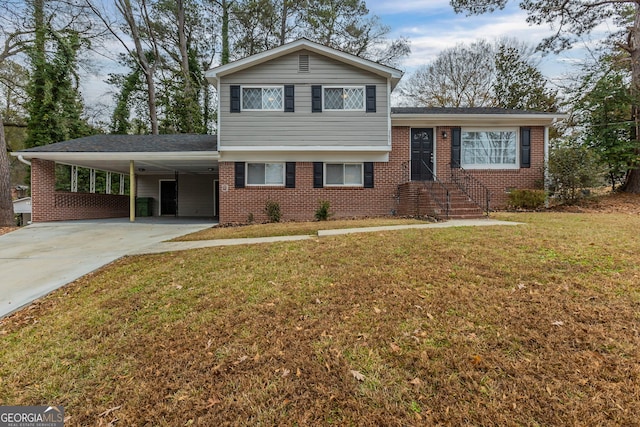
(290, 175)
(239, 174)
(316, 99)
(456, 147)
(525, 147)
(235, 99)
(289, 96)
(318, 177)
(368, 175)
(371, 99)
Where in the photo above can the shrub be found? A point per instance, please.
(272, 209)
(572, 168)
(526, 199)
(322, 213)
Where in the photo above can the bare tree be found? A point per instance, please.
(145, 51)
(460, 76)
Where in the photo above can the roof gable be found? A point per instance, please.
(301, 44)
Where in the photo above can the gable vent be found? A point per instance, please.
(303, 63)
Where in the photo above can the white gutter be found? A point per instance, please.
(71, 156)
(23, 160)
(477, 119)
(309, 148)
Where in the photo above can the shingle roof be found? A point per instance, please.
(132, 143)
(461, 110)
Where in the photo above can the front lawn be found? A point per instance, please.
(530, 325)
(290, 228)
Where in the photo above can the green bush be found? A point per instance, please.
(572, 169)
(322, 213)
(272, 209)
(526, 199)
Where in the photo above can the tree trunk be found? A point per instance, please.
(225, 33)
(148, 69)
(6, 204)
(632, 184)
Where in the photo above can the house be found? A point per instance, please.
(297, 125)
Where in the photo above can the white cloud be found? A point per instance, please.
(417, 6)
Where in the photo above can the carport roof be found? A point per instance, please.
(152, 154)
(131, 144)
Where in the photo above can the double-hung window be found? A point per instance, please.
(265, 173)
(343, 174)
(344, 98)
(489, 149)
(266, 98)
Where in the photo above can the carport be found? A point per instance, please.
(175, 175)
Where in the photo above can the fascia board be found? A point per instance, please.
(476, 119)
(315, 148)
(74, 155)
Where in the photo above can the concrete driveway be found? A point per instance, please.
(40, 258)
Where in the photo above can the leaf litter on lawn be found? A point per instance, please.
(452, 326)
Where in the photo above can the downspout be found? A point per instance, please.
(23, 160)
(546, 166)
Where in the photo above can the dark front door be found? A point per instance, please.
(168, 198)
(421, 154)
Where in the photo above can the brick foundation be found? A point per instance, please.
(51, 205)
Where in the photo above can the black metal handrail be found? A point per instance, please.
(471, 186)
(438, 191)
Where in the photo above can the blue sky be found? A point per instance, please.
(431, 26)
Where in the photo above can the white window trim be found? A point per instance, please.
(324, 174)
(502, 166)
(259, 87)
(364, 98)
(246, 174)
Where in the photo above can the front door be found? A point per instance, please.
(168, 197)
(422, 154)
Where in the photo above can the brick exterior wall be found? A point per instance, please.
(51, 205)
(498, 181)
(300, 203)
(237, 205)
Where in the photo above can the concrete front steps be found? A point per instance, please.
(419, 198)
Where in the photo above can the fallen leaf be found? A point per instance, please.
(429, 316)
(377, 310)
(357, 375)
(108, 411)
(521, 286)
(395, 348)
(285, 372)
(557, 323)
(298, 372)
(415, 381)
(476, 359)
(213, 401)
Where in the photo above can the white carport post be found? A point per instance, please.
(132, 191)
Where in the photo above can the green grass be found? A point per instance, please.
(290, 228)
(528, 325)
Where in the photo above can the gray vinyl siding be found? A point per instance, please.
(302, 127)
(195, 193)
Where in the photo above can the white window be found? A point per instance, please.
(268, 98)
(489, 149)
(344, 98)
(343, 174)
(265, 173)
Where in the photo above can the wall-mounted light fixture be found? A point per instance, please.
(444, 134)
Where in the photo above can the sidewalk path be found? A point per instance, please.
(196, 244)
